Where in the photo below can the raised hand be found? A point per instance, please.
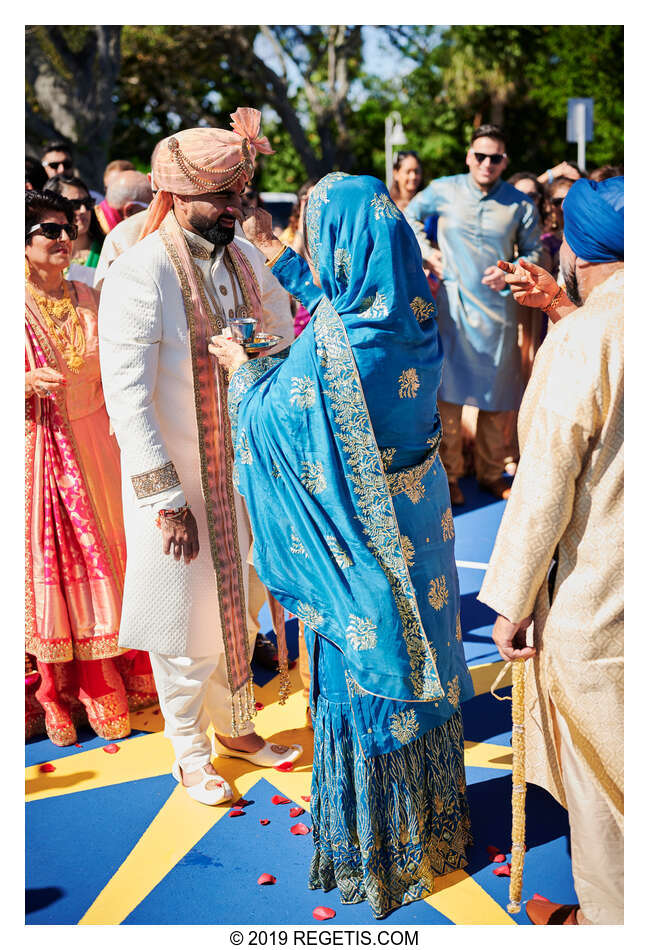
(258, 228)
(494, 278)
(530, 285)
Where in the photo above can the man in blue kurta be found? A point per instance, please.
(480, 219)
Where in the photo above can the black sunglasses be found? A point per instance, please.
(557, 202)
(493, 159)
(52, 231)
(66, 165)
(79, 203)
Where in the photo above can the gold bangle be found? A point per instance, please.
(275, 259)
(554, 303)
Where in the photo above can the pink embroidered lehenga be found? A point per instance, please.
(75, 552)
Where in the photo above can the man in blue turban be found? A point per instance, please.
(558, 557)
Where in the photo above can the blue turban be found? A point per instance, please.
(593, 219)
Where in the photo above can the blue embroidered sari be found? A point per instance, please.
(336, 444)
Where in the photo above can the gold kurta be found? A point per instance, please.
(568, 497)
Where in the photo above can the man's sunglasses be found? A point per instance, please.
(493, 159)
(66, 165)
(557, 202)
(78, 203)
(52, 231)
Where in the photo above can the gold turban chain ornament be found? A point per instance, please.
(232, 174)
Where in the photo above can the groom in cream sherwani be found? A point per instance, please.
(187, 531)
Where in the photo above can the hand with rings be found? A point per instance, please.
(43, 381)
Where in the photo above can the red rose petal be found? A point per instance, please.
(540, 897)
(491, 850)
(264, 821)
(280, 800)
(498, 858)
(259, 706)
(112, 748)
(266, 879)
(324, 913)
(504, 870)
(305, 798)
(296, 812)
(78, 745)
(242, 803)
(47, 767)
(236, 812)
(300, 829)
(284, 767)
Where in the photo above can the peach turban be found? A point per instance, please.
(205, 160)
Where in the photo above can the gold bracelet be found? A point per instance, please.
(275, 259)
(554, 303)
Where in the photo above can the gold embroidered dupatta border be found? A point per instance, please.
(216, 461)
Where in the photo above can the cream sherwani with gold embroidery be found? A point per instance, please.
(169, 607)
(568, 497)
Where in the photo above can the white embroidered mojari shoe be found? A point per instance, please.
(199, 792)
(269, 755)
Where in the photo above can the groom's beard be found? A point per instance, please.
(214, 232)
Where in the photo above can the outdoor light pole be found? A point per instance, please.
(394, 135)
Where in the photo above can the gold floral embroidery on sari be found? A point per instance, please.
(438, 593)
(458, 628)
(296, 544)
(448, 528)
(245, 455)
(408, 384)
(318, 197)
(453, 691)
(408, 550)
(375, 308)
(309, 615)
(386, 457)
(368, 482)
(384, 207)
(339, 554)
(361, 633)
(410, 480)
(423, 309)
(342, 264)
(404, 726)
(313, 477)
(302, 392)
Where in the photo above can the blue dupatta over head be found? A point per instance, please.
(336, 453)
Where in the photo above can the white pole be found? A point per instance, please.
(580, 120)
(388, 151)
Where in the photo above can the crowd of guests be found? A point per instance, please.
(500, 264)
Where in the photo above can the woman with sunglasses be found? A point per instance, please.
(87, 247)
(553, 219)
(76, 552)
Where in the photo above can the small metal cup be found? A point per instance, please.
(243, 329)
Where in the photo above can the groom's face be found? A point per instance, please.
(212, 215)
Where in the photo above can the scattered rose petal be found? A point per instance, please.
(236, 812)
(284, 767)
(47, 767)
(242, 803)
(324, 913)
(280, 800)
(300, 829)
(540, 897)
(259, 706)
(78, 745)
(266, 879)
(503, 870)
(296, 812)
(491, 850)
(264, 821)
(112, 748)
(499, 859)
(305, 798)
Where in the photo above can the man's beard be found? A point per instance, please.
(572, 288)
(213, 231)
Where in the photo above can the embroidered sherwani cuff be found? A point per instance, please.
(155, 482)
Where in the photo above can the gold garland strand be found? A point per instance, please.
(518, 780)
(62, 321)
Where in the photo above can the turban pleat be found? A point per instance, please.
(593, 216)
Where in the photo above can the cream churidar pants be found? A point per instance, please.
(491, 440)
(596, 840)
(194, 691)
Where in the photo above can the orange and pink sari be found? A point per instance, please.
(75, 552)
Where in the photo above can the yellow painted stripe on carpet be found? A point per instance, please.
(484, 674)
(487, 755)
(464, 901)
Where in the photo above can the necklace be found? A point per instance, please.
(62, 321)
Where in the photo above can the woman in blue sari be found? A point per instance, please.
(336, 446)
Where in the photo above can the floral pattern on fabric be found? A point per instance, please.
(408, 384)
(245, 455)
(384, 206)
(338, 553)
(296, 545)
(309, 615)
(313, 477)
(385, 827)
(448, 528)
(408, 550)
(318, 197)
(377, 308)
(438, 593)
(361, 633)
(386, 457)
(302, 392)
(423, 309)
(404, 726)
(342, 264)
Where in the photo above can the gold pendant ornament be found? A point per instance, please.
(63, 324)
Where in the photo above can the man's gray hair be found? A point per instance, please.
(128, 186)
